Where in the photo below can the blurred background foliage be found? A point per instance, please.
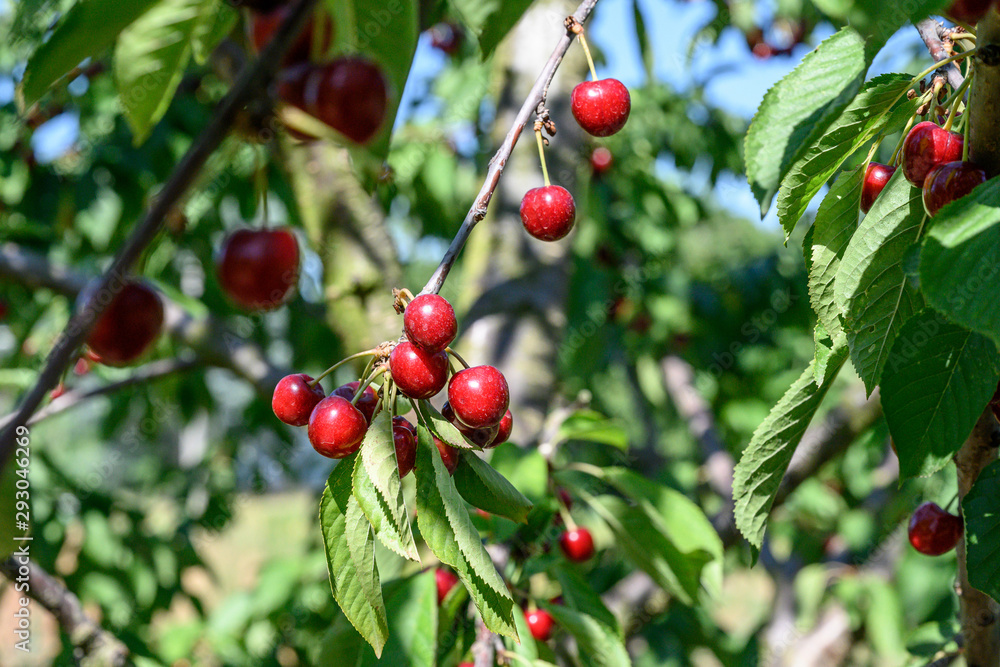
(183, 513)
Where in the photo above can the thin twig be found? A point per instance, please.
(97, 645)
(535, 99)
(251, 82)
(931, 32)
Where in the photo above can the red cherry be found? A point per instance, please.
(539, 624)
(406, 449)
(504, 428)
(481, 437)
(466, 664)
(927, 146)
(969, 11)
(548, 213)
(447, 37)
(418, 374)
(336, 428)
(367, 403)
(601, 107)
(876, 176)
(405, 423)
(948, 182)
(264, 24)
(258, 268)
(934, 531)
(578, 545)
(449, 455)
(479, 396)
(294, 400)
(348, 94)
(128, 326)
(446, 580)
(601, 160)
(429, 322)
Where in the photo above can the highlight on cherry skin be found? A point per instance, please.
(336, 428)
(294, 399)
(577, 544)
(540, 624)
(601, 107)
(429, 322)
(876, 177)
(927, 146)
(479, 396)
(933, 531)
(548, 212)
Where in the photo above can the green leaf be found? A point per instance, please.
(825, 346)
(579, 594)
(490, 20)
(871, 290)
(592, 426)
(937, 381)
(981, 508)
(488, 490)
(763, 464)
(89, 27)
(379, 491)
(836, 221)
(868, 114)
(411, 605)
(447, 528)
(444, 429)
(798, 109)
(350, 557)
(218, 23)
(878, 21)
(960, 261)
(598, 643)
(150, 58)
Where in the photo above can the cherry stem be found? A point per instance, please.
(457, 356)
(541, 154)
(958, 96)
(899, 145)
(590, 58)
(499, 160)
(260, 183)
(368, 381)
(366, 353)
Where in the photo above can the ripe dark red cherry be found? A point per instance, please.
(578, 545)
(481, 437)
(876, 176)
(127, 327)
(601, 107)
(429, 322)
(446, 580)
(259, 268)
(548, 213)
(449, 455)
(948, 182)
(367, 403)
(479, 396)
(504, 428)
(418, 374)
(934, 531)
(601, 160)
(264, 23)
(927, 146)
(406, 448)
(969, 11)
(294, 399)
(539, 624)
(348, 94)
(336, 428)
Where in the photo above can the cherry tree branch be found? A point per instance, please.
(933, 33)
(250, 83)
(99, 648)
(534, 101)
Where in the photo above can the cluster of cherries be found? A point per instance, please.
(418, 367)
(601, 107)
(932, 160)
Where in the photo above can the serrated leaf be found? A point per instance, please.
(798, 109)
(88, 28)
(981, 509)
(150, 58)
(488, 490)
(592, 426)
(350, 558)
(879, 107)
(598, 644)
(836, 221)
(960, 261)
(937, 381)
(579, 594)
(447, 528)
(871, 290)
(763, 464)
(411, 605)
(444, 429)
(379, 491)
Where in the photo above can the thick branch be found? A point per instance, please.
(931, 31)
(984, 100)
(249, 85)
(99, 647)
(499, 160)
